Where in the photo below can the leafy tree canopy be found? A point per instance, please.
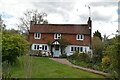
(97, 47)
(98, 34)
(113, 51)
(13, 45)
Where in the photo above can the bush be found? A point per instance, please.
(80, 56)
(6, 70)
(74, 55)
(105, 61)
(84, 57)
(13, 46)
(34, 52)
(63, 56)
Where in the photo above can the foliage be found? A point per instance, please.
(32, 15)
(80, 56)
(105, 61)
(90, 65)
(113, 51)
(6, 70)
(13, 45)
(98, 34)
(97, 47)
(63, 56)
(2, 25)
(74, 55)
(84, 57)
(63, 44)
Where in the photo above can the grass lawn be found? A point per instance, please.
(37, 67)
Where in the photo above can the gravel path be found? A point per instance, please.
(66, 62)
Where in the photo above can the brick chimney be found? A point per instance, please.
(90, 28)
(32, 24)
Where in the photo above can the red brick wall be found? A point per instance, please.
(50, 37)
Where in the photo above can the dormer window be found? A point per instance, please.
(57, 36)
(37, 35)
(79, 36)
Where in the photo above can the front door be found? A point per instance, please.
(56, 51)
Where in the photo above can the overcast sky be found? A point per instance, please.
(104, 14)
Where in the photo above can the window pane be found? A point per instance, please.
(71, 48)
(85, 50)
(34, 46)
(38, 35)
(81, 49)
(37, 47)
(78, 37)
(78, 49)
(45, 47)
(55, 36)
(42, 47)
(56, 47)
(75, 48)
(81, 36)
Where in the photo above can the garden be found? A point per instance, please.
(43, 67)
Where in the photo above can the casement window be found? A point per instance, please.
(80, 49)
(79, 36)
(37, 35)
(57, 36)
(40, 47)
(44, 47)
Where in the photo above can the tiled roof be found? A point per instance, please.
(60, 28)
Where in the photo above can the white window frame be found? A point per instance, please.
(77, 49)
(40, 47)
(38, 35)
(80, 35)
(57, 36)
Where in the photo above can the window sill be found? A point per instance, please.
(59, 38)
(80, 39)
(36, 38)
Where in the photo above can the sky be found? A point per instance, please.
(104, 15)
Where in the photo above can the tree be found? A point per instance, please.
(97, 47)
(98, 34)
(113, 51)
(32, 15)
(13, 46)
(63, 44)
(2, 25)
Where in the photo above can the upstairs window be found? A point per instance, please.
(37, 35)
(57, 36)
(79, 36)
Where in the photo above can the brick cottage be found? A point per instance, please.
(78, 36)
